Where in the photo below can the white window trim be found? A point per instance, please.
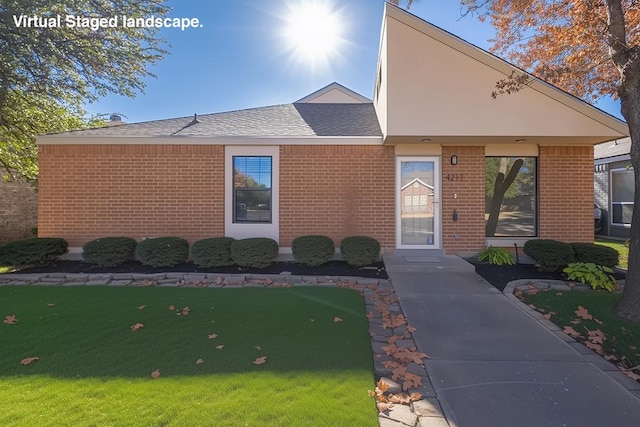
(247, 230)
(611, 202)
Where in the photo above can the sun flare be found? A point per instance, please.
(313, 31)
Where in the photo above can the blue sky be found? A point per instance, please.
(239, 58)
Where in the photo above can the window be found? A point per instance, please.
(510, 196)
(252, 189)
(622, 191)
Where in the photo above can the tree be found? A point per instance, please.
(589, 48)
(47, 74)
(504, 177)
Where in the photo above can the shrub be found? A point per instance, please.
(110, 251)
(163, 251)
(360, 250)
(313, 250)
(496, 256)
(597, 254)
(549, 254)
(33, 252)
(595, 275)
(258, 252)
(212, 252)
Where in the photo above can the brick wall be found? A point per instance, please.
(19, 210)
(566, 194)
(337, 191)
(92, 191)
(466, 179)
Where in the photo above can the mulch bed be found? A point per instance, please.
(500, 275)
(332, 268)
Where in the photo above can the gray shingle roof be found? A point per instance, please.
(296, 119)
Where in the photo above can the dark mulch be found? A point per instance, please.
(332, 268)
(500, 275)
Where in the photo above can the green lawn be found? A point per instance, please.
(618, 246)
(622, 336)
(94, 370)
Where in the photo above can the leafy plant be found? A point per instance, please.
(313, 250)
(33, 252)
(110, 251)
(550, 255)
(212, 252)
(359, 251)
(258, 252)
(496, 256)
(163, 251)
(589, 273)
(597, 254)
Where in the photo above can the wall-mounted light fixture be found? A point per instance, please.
(454, 160)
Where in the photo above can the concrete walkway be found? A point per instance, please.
(491, 363)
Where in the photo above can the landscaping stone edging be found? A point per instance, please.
(422, 413)
(528, 285)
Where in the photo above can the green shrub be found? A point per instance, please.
(496, 256)
(313, 250)
(360, 250)
(597, 254)
(550, 255)
(212, 252)
(163, 251)
(110, 251)
(33, 252)
(258, 252)
(595, 275)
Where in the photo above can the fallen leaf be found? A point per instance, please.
(548, 315)
(50, 304)
(185, 311)
(570, 331)
(411, 380)
(313, 320)
(257, 348)
(401, 398)
(337, 319)
(610, 357)
(398, 373)
(136, 327)
(593, 346)
(596, 337)
(583, 313)
(370, 315)
(172, 307)
(576, 321)
(382, 386)
(384, 406)
(10, 320)
(558, 294)
(199, 362)
(411, 329)
(213, 336)
(371, 393)
(142, 307)
(219, 347)
(260, 360)
(415, 396)
(28, 360)
(631, 374)
(598, 321)
(155, 374)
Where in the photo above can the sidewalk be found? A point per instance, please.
(492, 364)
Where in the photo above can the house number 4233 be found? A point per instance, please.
(454, 177)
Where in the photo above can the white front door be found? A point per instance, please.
(417, 202)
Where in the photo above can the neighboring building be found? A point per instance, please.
(19, 211)
(338, 164)
(614, 186)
